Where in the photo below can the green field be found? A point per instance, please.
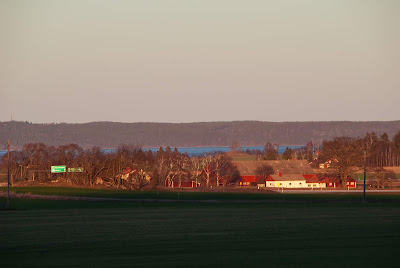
(51, 233)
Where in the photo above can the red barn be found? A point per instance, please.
(332, 182)
(248, 180)
(351, 183)
(249, 175)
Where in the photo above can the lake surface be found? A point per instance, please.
(197, 151)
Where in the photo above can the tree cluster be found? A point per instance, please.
(381, 151)
(249, 133)
(345, 154)
(126, 167)
(270, 152)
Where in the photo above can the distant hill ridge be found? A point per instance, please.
(246, 133)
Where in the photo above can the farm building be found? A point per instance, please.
(313, 181)
(351, 183)
(327, 163)
(292, 181)
(250, 170)
(286, 181)
(249, 180)
(332, 182)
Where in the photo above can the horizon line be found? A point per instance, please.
(198, 122)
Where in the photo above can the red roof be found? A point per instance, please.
(350, 179)
(330, 180)
(250, 178)
(285, 177)
(335, 180)
(311, 178)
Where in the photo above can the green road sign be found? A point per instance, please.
(58, 169)
(76, 169)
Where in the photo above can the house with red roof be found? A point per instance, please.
(286, 181)
(351, 183)
(313, 181)
(333, 182)
(248, 169)
(294, 181)
(248, 180)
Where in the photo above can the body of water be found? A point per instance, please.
(197, 151)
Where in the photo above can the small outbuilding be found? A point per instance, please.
(351, 183)
(333, 182)
(313, 181)
(249, 180)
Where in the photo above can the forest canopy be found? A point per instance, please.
(203, 134)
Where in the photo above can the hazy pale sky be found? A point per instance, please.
(206, 60)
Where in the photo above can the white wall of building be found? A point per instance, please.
(294, 184)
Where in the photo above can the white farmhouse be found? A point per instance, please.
(292, 181)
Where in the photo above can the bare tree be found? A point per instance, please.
(345, 153)
(196, 167)
(263, 172)
(224, 169)
(94, 163)
(208, 170)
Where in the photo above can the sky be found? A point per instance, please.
(180, 61)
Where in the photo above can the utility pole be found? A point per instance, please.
(8, 174)
(365, 172)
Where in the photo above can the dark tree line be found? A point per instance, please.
(303, 153)
(126, 167)
(270, 152)
(248, 133)
(345, 154)
(381, 150)
(129, 166)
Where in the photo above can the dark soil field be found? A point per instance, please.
(53, 233)
(234, 195)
